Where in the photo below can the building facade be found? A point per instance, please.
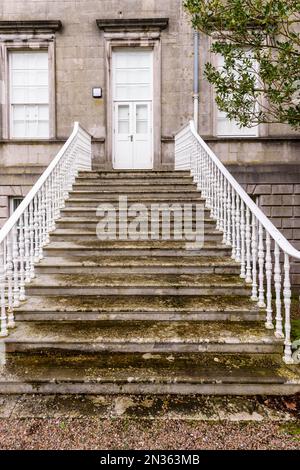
(124, 70)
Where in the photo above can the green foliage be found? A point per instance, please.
(295, 330)
(260, 43)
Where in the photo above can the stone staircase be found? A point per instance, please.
(146, 316)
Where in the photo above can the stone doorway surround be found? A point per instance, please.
(143, 32)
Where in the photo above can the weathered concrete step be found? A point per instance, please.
(138, 284)
(147, 191)
(147, 200)
(98, 182)
(117, 373)
(131, 248)
(144, 337)
(73, 210)
(138, 308)
(146, 174)
(143, 265)
(134, 185)
(79, 235)
(89, 223)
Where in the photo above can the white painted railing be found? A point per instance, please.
(256, 243)
(26, 232)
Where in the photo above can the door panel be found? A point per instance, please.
(122, 133)
(142, 136)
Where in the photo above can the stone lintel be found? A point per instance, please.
(132, 24)
(30, 27)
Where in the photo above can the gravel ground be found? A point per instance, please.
(95, 433)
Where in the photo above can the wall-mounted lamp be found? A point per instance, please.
(97, 92)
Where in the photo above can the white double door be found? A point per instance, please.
(133, 135)
(132, 108)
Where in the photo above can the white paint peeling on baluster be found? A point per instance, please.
(243, 244)
(287, 311)
(269, 320)
(277, 281)
(261, 289)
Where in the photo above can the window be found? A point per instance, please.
(227, 127)
(29, 94)
(14, 202)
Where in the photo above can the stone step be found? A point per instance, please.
(80, 209)
(144, 337)
(136, 373)
(116, 185)
(142, 265)
(91, 223)
(139, 284)
(138, 308)
(78, 235)
(136, 249)
(147, 191)
(145, 174)
(169, 199)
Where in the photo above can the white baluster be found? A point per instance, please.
(261, 290)
(31, 236)
(36, 231)
(40, 222)
(48, 211)
(221, 204)
(277, 281)
(269, 319)
(243, 249)
(254, 259)
(248, 248)
(228, 239)
(16, 266)
(238, 230)
(287, 307)
(9, 273)
(225, 220)
(43, 215)
(233, 225)
(52, 202)
(3, 318)
(27, 246)
(22, 259)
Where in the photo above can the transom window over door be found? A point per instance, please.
(132, 108)
(29, 94)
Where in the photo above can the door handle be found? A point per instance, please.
(131, 138)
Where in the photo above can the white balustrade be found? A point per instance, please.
(27, 231)
(263, 252)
